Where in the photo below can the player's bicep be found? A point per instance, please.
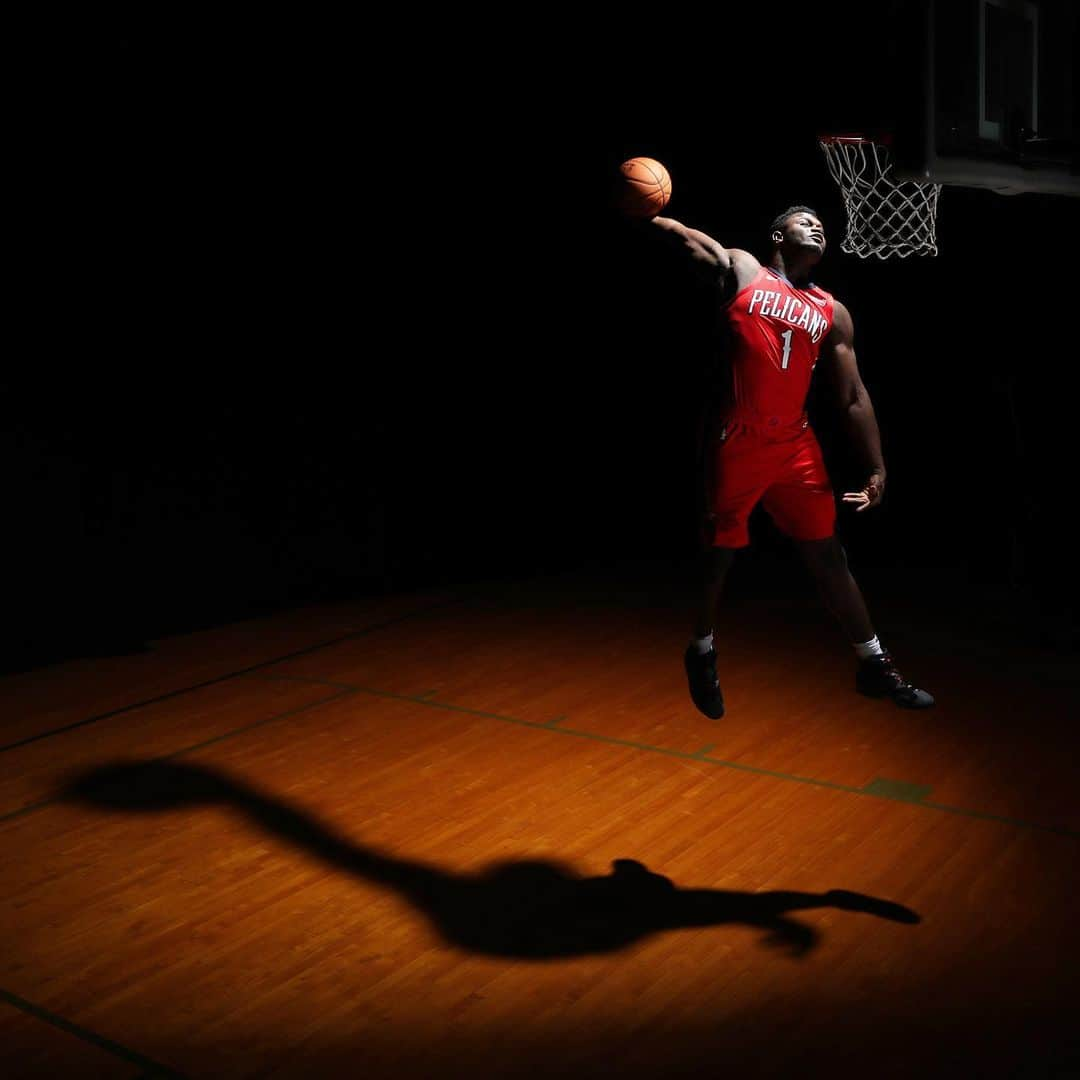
(707, 255)
(708, 250)
(838, 352)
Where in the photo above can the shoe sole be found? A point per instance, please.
(880, 695)
(706, 712)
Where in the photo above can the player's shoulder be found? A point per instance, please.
(826, 299)
(744, 258)
(820, 292)
(840, 309)
(842, 329)
(745, 266)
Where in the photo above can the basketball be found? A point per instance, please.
(644, 188)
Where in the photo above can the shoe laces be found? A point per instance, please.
(888, 669)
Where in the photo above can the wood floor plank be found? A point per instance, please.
(292, 940)
(496, 839)
(45, 699)
(35, 771)
(978, 749)
(34, 1047)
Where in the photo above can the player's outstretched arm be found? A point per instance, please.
(699, 246)
(838, 352)
(729, 269)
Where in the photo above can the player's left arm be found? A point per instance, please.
(838, 353)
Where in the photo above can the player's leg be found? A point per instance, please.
(839, 591)
(803, 506)
(713, 566)
(700, 656)
(877, 675)
(734, 479)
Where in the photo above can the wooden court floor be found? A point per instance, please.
(481, 831)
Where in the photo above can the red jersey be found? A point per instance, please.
(775, 332)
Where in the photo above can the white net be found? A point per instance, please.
(885, 216)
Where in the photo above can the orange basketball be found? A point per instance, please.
(645, 187)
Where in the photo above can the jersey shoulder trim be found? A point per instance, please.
(817, 290)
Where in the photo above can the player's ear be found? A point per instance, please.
(778, 236)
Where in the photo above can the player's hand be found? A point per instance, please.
(870, 495)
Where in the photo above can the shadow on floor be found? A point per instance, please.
(527, 908)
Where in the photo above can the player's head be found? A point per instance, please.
(798, 229)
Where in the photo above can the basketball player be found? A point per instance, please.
(758, 445)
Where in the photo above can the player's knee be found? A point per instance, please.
(825, 556)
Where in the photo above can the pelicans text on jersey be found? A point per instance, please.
(775, 334)
(761, 448)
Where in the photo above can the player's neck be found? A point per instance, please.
(797, 272)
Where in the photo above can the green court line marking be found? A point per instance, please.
(701, 755)
(704, 750)
(196, 746)
(1061, 830)
(867, 792)
(231, 675)
(152, 1068)
(900, 790)
(555, 720)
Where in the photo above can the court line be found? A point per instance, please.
(151, 1067)
(10, 814)
(874, 790)
(224, 678)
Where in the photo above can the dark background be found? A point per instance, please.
(319, 311)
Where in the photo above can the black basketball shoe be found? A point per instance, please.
(877, 677)
(704, 685)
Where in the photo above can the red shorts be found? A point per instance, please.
(784, 471)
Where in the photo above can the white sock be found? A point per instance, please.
(865, 649)
(704, 644)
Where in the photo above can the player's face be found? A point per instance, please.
(806, 232)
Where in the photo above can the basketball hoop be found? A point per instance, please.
(885, 216)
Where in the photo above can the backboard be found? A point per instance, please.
(983, 94)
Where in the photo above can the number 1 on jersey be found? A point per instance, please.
(786, 335)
